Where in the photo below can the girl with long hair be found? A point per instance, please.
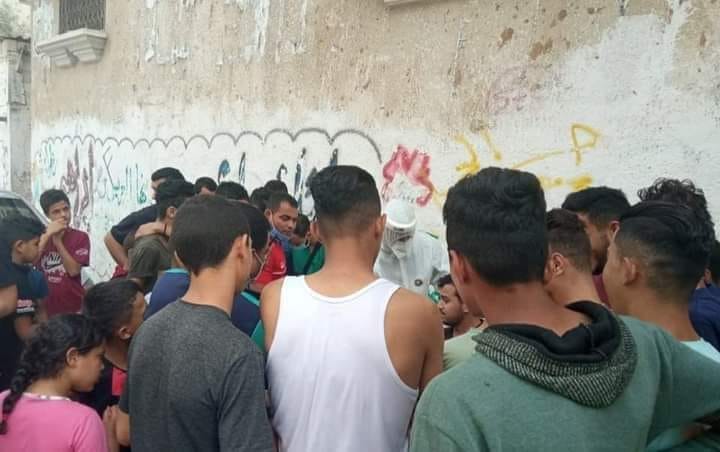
(62, 357)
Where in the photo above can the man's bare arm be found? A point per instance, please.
(8, 300)
(270, 310)
(117, 251)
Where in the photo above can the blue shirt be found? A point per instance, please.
(705, 314)
(245, 315)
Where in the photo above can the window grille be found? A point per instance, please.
(76, 14)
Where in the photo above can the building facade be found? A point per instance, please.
(422, 93)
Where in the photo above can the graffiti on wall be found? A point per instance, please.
(106, 178)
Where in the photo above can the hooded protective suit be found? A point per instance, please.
(411, 259)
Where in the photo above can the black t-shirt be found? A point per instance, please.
(31, 287)
(132, 222)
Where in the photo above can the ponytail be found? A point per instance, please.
(19, 384)
(45, 355)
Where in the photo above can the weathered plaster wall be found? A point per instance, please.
(15, 155)
(578, 92)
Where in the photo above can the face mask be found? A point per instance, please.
(398, 241)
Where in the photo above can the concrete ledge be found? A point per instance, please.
(83, 45)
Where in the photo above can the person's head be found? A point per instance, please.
(205, 186)
(496, 233)
(599, 209)
(282, 212)
(56, 205)
(117, 308)
(399, 229)
(681, 192)
(347, 206)
(212, 233)
(260, 198)
(260, 236)
(452, 309)
(233, 191)
(170, 195)
(164, 174)
(660, 250)
(276, 186)
(570, 254)
(68, 347)
(20, 237)
(302, 231)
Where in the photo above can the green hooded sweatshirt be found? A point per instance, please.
(612, 385)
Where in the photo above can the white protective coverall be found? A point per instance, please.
(411, 259)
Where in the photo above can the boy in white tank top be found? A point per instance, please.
(348, 352)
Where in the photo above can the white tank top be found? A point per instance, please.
(332, 384)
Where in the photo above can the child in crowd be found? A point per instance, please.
(64, 356)
(308, 254)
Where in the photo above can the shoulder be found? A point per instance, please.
(414, 305)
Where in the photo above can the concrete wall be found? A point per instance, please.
(15, 80)
(613, 92)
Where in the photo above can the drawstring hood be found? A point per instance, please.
(591, 364)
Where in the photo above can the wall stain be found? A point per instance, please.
(506, 36)
(539, 49)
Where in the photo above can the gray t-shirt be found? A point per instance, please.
(195, 383)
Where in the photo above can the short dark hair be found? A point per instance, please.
(16, 228)
(602, 205)
(167, 173)
(260, 198)
(233, 191)
(258, 224)
(671, 242)
(51, 197)
(277, 200)
(567, 236)
(205, 229)
(276, 186)
(302, 226)
(496, 220)
(445, 280)
(172, 193)
(346, 200)
(681, 192)
(205, 182)
(110, 304)
(714, 265)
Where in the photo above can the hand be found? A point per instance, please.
(56, 228)
(110, 419)
(155, 227)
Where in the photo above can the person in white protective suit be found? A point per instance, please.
(411, 259)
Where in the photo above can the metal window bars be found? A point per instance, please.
(76, 14)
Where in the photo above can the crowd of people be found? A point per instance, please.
(233, 322)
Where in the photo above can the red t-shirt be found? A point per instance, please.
(275, 266)
(66, 293)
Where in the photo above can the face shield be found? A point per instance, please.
(400, 228)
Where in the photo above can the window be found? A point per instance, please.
(77, 14)
(80, 37)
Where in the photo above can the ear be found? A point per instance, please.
(72, 356)
(630, 271)
(380, 226)
(241, 247)
(708, 277)
(315, 229)
(613, 228)
(558, 264)
(459, 267)
(171, 212)
(268, 214)
(124, 333)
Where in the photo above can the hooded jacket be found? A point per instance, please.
(611, 385)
